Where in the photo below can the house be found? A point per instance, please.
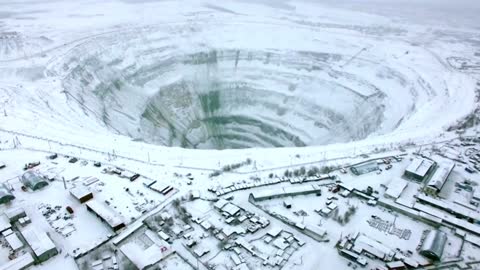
(42, 246)
(5, 194)
(419, 169)
(33, 181)
(81, 193)
(434, 244)
(435, 184)
(364, 168)
(147, 251)
(106, 214)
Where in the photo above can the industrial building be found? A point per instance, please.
(364, 168)
(106, 214)
(148, 251)
(439, 178)
(434, 244)
(268, 194)
(33, 181)
(395, 188)
(5, 194)
(82, 194)
(42, 246)
(419, 169)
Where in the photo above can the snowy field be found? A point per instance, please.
(209, 100)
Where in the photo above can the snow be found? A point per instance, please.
(119, 82)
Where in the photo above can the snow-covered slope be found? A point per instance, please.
(235, 75)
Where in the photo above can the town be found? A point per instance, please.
(415, 207)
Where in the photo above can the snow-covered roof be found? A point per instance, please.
(38, 240)
(5, 194)
(33, 180)
(18, 263)
(440, 176)
(231, 209)
(434, 244)
(364, 243)
(13, 241)
(148, 254)
(80, 192)
(395, 188)
(4, 223)
(419, 166)
(105, 212)
(284, 191)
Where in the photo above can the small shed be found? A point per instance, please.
(5, 194)
(33, 181)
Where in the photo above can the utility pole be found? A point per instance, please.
(64, 183)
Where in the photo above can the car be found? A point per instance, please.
(53, 156)
(97, 164)
(134, 177)
(388, 167)
(2, 165)
(342, 170)
(73, 160)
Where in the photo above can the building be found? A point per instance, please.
(82, 194)
(13, 241)
(419, 169)
(4, 223)
(435, 184)
(15, 214)
(42, 246)
(106, 214)
(33, 181)
(395, 189)
(149, 252)
(364, 168)
(22, 262)
(272, 193)
(5, 194)
(434, 244)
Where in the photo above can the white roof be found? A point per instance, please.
(10, 213)
(4, 223)
(231, 209)
(107, 213)
(13, 241)
(80, 192)
(19, 263)
(440, 176)
(419, 166)
(143, 256)
(395, 188)
(284, 191)
(38, 240)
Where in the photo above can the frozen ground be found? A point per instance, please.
(159, 87)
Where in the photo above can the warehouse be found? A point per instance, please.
(106, 214)
(33, 181)
(148, 250)
(82, 194)
(40, 243)
(419, 169)
(434, 244)
(5, 195)
(439, 178)
(268, 194)
(395, 189)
